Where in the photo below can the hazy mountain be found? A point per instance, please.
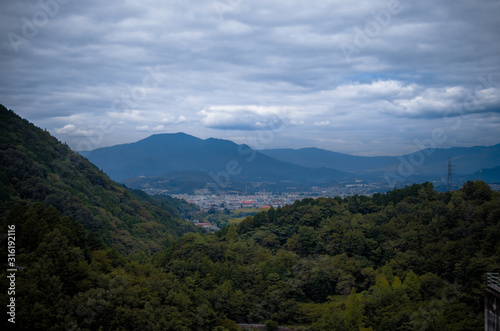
(428, 161)
(319, 158)
(488, 175)
(36, 167)
(180, 163)
(169, 154)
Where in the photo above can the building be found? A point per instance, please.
(207, 226)
(204, 225)
(492, 303)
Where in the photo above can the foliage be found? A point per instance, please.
(72, 281)
(34, 166)
(409, 259)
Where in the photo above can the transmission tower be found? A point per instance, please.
(449, 183)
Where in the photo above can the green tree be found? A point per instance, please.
(412, 286)
(271, 325)
(231, 235)
(353, 312)
(307, 239)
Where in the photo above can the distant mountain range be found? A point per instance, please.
(427, 161)
(181, 162)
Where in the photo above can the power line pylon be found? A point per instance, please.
(449, 183)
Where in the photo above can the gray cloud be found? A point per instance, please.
(225, 68)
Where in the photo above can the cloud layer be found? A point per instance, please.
(364, 77)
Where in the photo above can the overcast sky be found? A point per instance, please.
(364, 77)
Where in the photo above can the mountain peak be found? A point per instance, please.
(168, 135)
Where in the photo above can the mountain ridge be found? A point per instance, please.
(229, 165)
(163, 153)
(308, 157)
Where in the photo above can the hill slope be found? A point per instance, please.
(36, 167)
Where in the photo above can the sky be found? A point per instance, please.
(365, 77)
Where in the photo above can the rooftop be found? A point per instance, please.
(493, 279)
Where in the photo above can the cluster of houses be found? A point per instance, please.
(207, 226)
(234, 202)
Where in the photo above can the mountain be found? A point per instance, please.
(465, 160)
(36, 167)
(488, 175)
(319, 158)
(179, 163)
(214, 161)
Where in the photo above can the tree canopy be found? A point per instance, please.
(94, 255)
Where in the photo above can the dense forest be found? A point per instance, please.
(36, 167)
(94, 255)
(410, 259)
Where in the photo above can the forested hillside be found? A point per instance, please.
(80, 243)
(36, 167)
(411, 259)
(69, 280)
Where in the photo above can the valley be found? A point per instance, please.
(95, 254)
(233, 165)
